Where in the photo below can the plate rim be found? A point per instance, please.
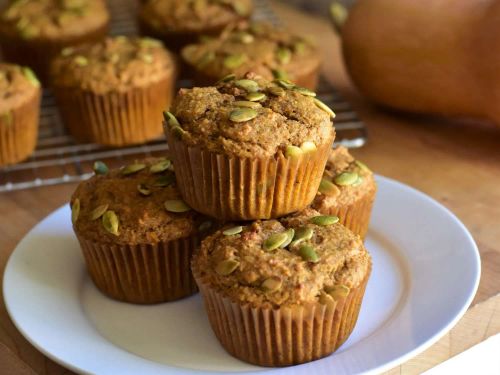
(383, 367)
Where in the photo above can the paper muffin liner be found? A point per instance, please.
(231, 188)
(284, 336)
(144, 274)
(19, 131)
(116, 118)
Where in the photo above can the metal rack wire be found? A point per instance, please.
(59, 159)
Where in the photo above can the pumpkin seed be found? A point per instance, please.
(234, 61)
(110, 222)
(308, 146)
(324, 107)
(248, 85)
(256, 96)
(227, 267)
(178, 132)
(98, 211)
(227, 78)
(176, 205)
(302, 234)
(100, 168)
(30, 76)
(275, 240)
(81, 60)
(160, 166)
(143, 189)
(299, 47)
(328, 188)
(232, 231)
(240, 8)
(170, 119)
(346, 178)
(293, 151)
(283, 55)
(132, 168)
(67, 51)
(149, 42)
(286, 84)
(246, 104)
(290, 233)
(242, 114)
(304, 91)
(277, 91)
(358, 182)
(163, 181)
(280, 74)
(308, 253)
(362, 166)
(206, 225)
(205, 59)
(114, 58)
(75, 210)
(146, 57)
(271, 284)
(325, 220)
(326, 299)
(243, 37)
(338, 291)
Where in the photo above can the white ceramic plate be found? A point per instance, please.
(426, 271)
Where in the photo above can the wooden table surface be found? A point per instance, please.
(456, 163)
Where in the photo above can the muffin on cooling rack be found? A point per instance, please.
(20, 94)
(180, 22)
(347, 190)
(258, 47)
(33, 32)
(248, 148)
(136, 234)
(283, 292)
(114, 92)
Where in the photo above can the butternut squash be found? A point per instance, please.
(425, 56)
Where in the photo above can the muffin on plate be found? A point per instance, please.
(20, 94)
(248, 148)
(136, 233)
(34, 32)
(114, 92)
(180, 22)
(283, 292)
(259, 48)
(347, 190)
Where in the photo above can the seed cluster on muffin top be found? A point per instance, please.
(193, 15)
(48, 19)
(251, 117)
(17, 85)
(116, 63)
(344, 181)
(136, 204)
(299, 259)
(258, 47)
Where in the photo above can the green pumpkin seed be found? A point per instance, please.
(328, 188)
(170, 119)
(75, 210)
(293, 151)
(302, 234)
(276, 91)
(286, 84)
(132, 168)
(271, 284)
(110, 222)
(149, 42)
(248, 85)
(338, 291)
(81, 60)
(68, 51)
(275, 240)
(246, 104)
(299, 47)
(114, 58)
(30, 76)
(346, 178)
(326, 299)
(98, 211)
(358, 182)
(176, 205)
(308, 146)
(232, 231)
(206, 225)
(234, 61)
(227, 78)
(100, 168)
(206, 59)
(242, 114)
(161, 166)
(290, 233)
(362, 166)
(304, 91)
(256, 96)
(143, 189)
(240, 8)
(163, 181)
(283, 55)
(178, 132)
(324, 107)
(325, 220)
(280, 74)
(243, 37)
(227, 267)
(308, 253)
(146, 57)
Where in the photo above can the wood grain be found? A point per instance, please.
(455, 162)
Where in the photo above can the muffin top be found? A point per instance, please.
(299, 259)
(258, 47)
(136, 204)
(52, 19)
(193, 16)
(114, 64)
(344, 181)
(251, 117)
(17, 86)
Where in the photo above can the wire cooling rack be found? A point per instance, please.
(59, 159)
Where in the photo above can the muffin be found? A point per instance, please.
(180, 22)
(249, 148)
(347, 190)
(114, 92)
(260, 48)
(283, 292)
(20, 94)
(136, 234)
(34, 32)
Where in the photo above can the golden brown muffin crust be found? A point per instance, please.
(281, 121)
(343, 260)
(53, 19)
(115, 64)
(142, 219)
(18, 85)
